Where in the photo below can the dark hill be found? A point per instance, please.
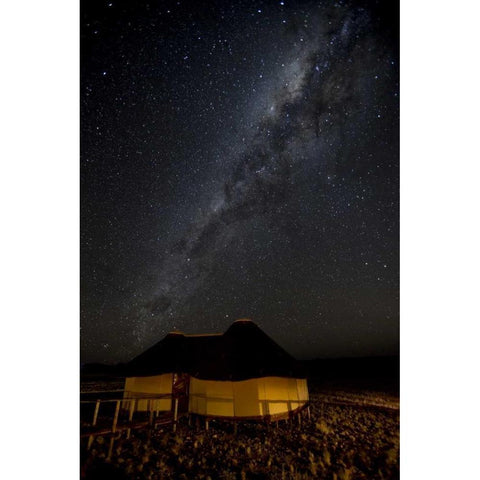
(372, 372)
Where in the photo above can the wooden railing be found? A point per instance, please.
(112, 416)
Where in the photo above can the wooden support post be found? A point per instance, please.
(175, 415)
(189, 420)
(110, 448)
(94, 422)
(95, 413)
(308, 412)
(114, 429)
(150, 420)
(150, 410)
(115, 417)
(206, 424)
(130, 415)
(90, 441)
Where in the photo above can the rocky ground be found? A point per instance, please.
(352, 434)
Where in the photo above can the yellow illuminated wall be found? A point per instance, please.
(247, 398)
(145, 386)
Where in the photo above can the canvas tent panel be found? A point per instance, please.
(196, 401)
(280, 395)
(220, 389)
(224, 398)
(302, 389)
(143, 386)
(276, 395)
(220, 407)
(208, 397)
(246, 398)
(295, 394)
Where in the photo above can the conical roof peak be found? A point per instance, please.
(175, 332)
(244, 351)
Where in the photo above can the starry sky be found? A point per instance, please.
(239, 159)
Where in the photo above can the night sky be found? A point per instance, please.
(240, 159)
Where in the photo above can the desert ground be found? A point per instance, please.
(352, 433)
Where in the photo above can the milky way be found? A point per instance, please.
(237, 161)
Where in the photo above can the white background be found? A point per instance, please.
(39, 263)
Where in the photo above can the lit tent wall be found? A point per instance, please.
(240, 374)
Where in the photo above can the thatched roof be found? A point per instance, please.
(243, 351)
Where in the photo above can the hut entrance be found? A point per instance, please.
(180, 384)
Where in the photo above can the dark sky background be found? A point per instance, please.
(240, 159)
